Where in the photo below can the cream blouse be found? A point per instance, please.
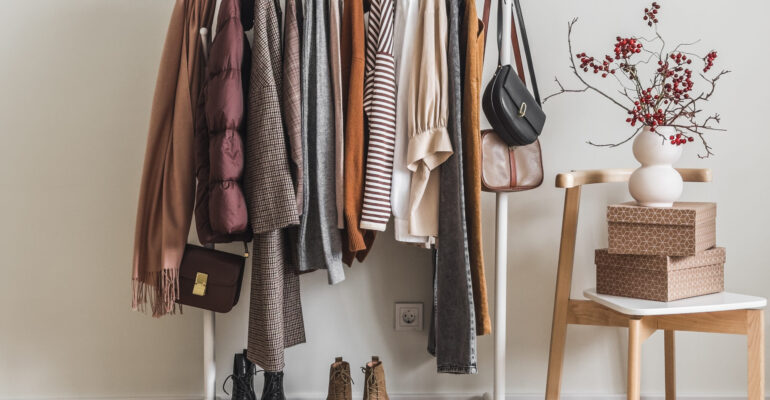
(428, 104)
(406, 25)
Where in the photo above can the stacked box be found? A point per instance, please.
(661, 254)
(660, 278)
(682, 230)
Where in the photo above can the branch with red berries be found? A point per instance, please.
(667, 98)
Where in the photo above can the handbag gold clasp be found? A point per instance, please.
(199, 289)
(522, 110)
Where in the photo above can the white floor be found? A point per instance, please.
(411, 397)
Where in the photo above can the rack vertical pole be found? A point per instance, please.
(209, 327)
(501, 280)
(501, 245)
(209, 364)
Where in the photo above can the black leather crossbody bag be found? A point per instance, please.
(514, 112)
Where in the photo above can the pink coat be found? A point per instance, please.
(220, 209)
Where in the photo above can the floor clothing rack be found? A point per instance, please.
(501, 279)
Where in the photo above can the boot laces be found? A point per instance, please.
(239, 382)
(342, 376)
(340, 379)
(372, 384)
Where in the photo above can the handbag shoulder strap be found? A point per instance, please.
(514, 41)
(525, 40)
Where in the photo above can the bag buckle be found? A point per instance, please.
(199, 289)
(522, 110)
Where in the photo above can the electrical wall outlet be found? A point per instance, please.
(409, 316)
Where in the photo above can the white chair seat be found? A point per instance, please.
(724, 301)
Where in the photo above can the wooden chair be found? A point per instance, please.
(719, 313)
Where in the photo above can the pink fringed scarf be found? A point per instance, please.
(167, 192)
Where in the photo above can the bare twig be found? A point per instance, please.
(684, 44)
(616, 144)
(563, 90)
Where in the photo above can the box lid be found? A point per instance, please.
(715, 255)
(684, 213)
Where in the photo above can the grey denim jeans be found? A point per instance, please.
(453, 326)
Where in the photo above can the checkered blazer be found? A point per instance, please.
(269, 188)
(275, 311)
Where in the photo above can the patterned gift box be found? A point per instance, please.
(682, 230)
(660, 278)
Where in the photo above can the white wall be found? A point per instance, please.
(76, 81)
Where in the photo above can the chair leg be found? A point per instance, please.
(634, 358)
(561, 298)
(556, 355)
(670, 355)
(756, 352)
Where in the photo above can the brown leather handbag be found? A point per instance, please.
(511, 168)
(210, 279)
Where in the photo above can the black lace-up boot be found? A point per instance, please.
(251, 371)
(273, 389)
(242, 378)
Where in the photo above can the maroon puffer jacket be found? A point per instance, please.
(220, 209)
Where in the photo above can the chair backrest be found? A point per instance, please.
(573, 181)
(579, 178)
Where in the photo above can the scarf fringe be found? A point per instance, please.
(158, 288)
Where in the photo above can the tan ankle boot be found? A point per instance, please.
(375, 380)
(339, 381)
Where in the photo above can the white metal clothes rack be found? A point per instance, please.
(501, 279)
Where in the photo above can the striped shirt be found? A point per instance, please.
(380, 108)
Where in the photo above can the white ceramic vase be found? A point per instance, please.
(656, 183)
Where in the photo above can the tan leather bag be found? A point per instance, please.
(510, 168)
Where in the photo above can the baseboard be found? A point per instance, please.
(447, 396)
(147, 397)
(458, 396)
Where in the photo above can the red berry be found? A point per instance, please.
(690, 139)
